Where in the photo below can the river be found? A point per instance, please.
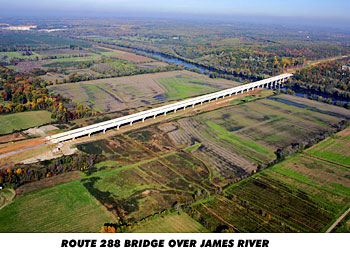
(177, 61)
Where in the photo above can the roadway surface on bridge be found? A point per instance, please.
(272, 82)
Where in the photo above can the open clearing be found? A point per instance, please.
(330, 149)
(63, 208)
(171, 223)
(235, 140)
(143, 172)
(23, 120)
(114, 94)
(300, 194)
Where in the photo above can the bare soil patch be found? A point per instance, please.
(133, 58)
(11, 137)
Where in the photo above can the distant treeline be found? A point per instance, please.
(332, 78)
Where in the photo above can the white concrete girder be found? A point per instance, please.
(102, 126)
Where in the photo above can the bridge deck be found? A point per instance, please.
(103, 126)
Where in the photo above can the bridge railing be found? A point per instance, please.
(103, 126)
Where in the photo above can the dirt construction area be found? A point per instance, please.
(67, 148)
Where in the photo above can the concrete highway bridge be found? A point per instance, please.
(273, 82)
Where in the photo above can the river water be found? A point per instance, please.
(178, 62)
(202, 69)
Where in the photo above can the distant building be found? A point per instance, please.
(20, 27)
(345, 67)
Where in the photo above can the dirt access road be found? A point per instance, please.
(337, 221)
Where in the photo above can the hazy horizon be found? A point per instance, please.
(317, 13)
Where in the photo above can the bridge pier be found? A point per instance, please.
(271, 83)
(164, 113)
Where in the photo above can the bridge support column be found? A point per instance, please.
(175, 111)
(201, 103)
(118, 127)
(154, 116)
(104, 131)
(89, 135)
(164, 113)
(131, 123)
(184, 108)
(143, 120)
(216, 98)
(193, 106)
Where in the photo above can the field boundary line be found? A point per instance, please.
(220, 218)
(325, 160)
(338, 221)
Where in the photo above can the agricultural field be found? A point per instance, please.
(23, 120)
(67, 207)
(144, 175)
(329, 149)
(36, 40)
(237, 140)
(76, 63)
(115, 94)
(123, 55)
(170, 223)
(302, 194)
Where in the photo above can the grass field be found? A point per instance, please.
(182, 86)
(143, 173)
(68, 207)
(115, 94)
(23, 120)
(302, 194)
(236, 139)
(171, 223)
(329, 149)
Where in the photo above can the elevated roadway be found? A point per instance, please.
(273, 82)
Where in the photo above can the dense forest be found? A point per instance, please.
(23, 174)
(332, 78)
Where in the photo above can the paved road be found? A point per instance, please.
(337, 221)
(22, 150)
